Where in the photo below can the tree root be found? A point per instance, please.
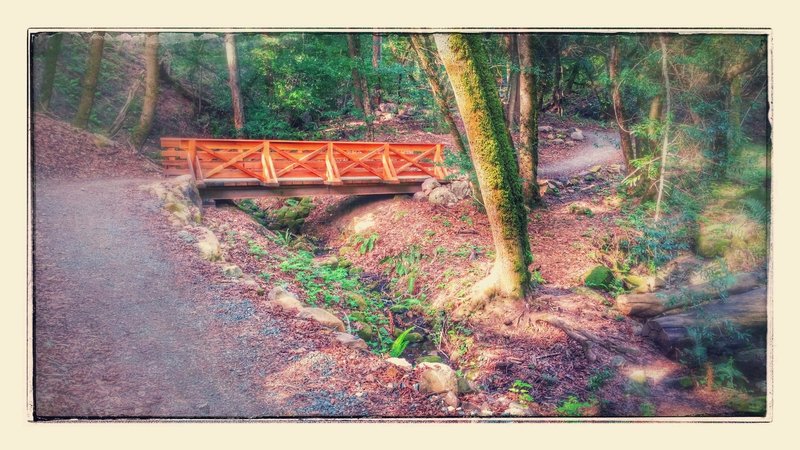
(587, 339)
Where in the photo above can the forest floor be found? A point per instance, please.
(130, 322)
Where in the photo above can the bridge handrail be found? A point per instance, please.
(277, 162)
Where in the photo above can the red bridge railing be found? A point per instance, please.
(271, 163)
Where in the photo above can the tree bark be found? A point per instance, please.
(89, 81)
(616, 100)
(665, 132)
(377, 46)
(428, 66)
(573, 74)
(150, 91)
(558, 94)
(361, 91)
(123, 112)
(233, 83)
(512, 105)
(465, 60)
(746, 312)
(654, 303)
(528, 153)
(49, 74)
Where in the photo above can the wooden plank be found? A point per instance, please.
(388, 167)
(235, 192)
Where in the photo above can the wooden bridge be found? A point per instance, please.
(242, 168)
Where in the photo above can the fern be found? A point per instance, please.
(399, 345)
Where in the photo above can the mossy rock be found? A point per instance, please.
(599, 278)
(415, 337)
(428, 359)
(367, 332)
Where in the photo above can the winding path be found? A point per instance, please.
(599, 147)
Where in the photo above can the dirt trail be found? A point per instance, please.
(599, 147)
(116, 331)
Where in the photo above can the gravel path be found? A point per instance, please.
(599, 147)
(116, 333)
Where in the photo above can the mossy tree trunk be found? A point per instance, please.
(150, 91)
(89, 81)
(466, 62)
(233, 83)
(423, 51)
(49, 74)
(616, 99)
(528, 153)
(360, 88)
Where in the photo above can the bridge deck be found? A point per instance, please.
(239, 168)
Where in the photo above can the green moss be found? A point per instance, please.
(599, 278)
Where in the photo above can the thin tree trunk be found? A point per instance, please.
(528, 153)
(361, 91)
(377, 93)
(422, 50)
(89, 81)
(49, 74)
(665, 144)
(233, 83)
(616, 100)
(123, 112)
(150, 90)
(466, 62)
(558, 94)
(513, 80)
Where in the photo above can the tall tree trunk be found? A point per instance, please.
(150, 91)
(377, 44)
(528, 153)
(89, 81)
(465, 60)
(233, 83)
(654, 116)
(512, 107)
(735, 112)
(49, 73)
(665, 145)
(361, 91)
(558, 95)
(573, 74)
(428, 66)
(616, 100)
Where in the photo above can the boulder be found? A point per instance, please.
(545, 128)
(399, 362)
(284, 299)
(517, 410)
(600, 278)
(420, 196)
(442, 196)
(451, 399)
(577, 135)
(435, 378)
(348, 340)
(209, 246)
(429, 185)
(461, 189)
(556, 141)
(232, 271)
(322, 317)
(187, 237)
